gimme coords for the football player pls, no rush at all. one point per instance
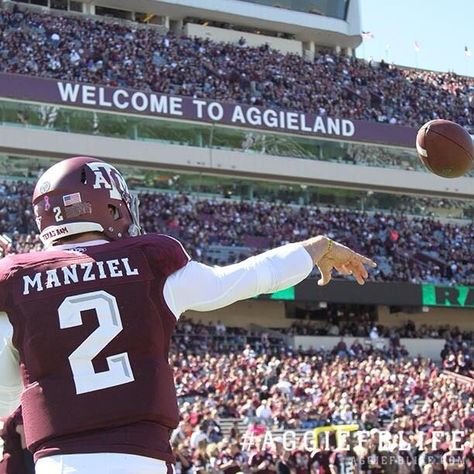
(86, 325)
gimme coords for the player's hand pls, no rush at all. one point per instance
(345, 261)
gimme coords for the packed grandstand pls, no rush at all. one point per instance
(236, 383)
(409, 249)
(87, 50)
(272, 386)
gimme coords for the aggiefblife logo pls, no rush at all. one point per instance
(346, 440)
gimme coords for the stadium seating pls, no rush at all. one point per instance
(371, 388)
(409, 249)
(77, 49)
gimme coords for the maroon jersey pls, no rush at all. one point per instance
(320, 461)
(226, 457)
(93, 332)
(300, 459)
(345, 462)
(260, 457)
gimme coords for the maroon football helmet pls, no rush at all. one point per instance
(83, 194)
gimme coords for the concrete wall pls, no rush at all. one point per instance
(463, 318)
(232, 36)
(425, 347)
(244, 313)
(272, 314)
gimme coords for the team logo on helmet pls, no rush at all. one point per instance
(83, 194)
(115, 182)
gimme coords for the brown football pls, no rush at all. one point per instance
(445, 148)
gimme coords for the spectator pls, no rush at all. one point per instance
(184, 460)
(264, 413)
(374, 333)
(198, 436)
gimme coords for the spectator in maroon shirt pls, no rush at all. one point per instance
(319, 462)
(16, 458)
(262, 462)
(231, 460)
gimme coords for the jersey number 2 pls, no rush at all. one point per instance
(110, 325)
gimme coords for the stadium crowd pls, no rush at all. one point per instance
(82, 49)
(271, 387)
(406, 249)
(457, 355)
(363, 326)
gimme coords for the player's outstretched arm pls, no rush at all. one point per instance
(199, 287)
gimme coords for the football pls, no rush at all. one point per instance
(445, 148)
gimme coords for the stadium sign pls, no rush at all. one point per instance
(449, 296)
(379, 293)
(122, 100)
(283, 295)
(372, 293)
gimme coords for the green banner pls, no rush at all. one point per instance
(450, 296)
(288, 295)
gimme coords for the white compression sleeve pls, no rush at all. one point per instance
(202, 288)
(10, 380)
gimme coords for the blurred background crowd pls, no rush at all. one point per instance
(225, 374)
(410, 249)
